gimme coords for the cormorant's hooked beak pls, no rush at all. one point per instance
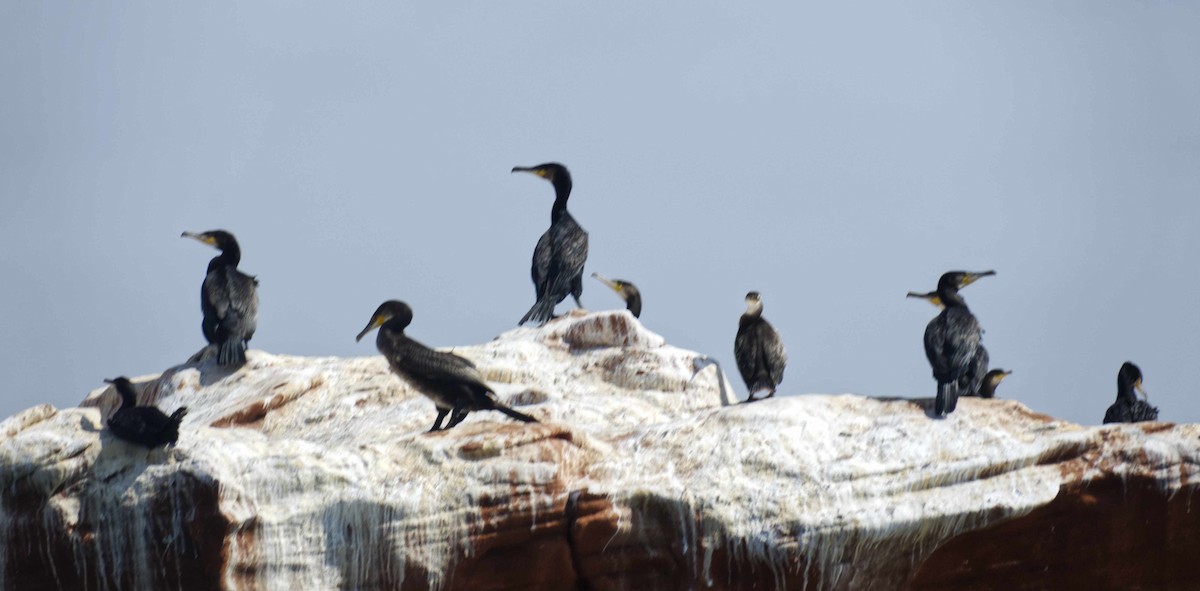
(538, 171)
(969, 278)
(1138, 386)
(376, 322)
(930, 297)
(209, 240)
(613, 285)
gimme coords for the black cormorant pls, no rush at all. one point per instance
(144, 425)
(560, 253)
(628, 292)
(451, 382)
(952, 343)
(987, 388)
(228, 298)
(1127, 408)
(759, 350)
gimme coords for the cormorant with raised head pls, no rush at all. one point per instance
(451, 382)
(758, 350)
(1128, 408)
(560, 253)
(628, 292)
(952, 343)
(144, 425)
(228, 298)
(987, 388)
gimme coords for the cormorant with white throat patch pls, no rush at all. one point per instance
(952, 343)
(228, 298)
(144, 425)
(1128, 408)
(759, 350)
(560, 253)
(450, 381)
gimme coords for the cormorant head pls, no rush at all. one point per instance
(219, 239)
(952, 281)
(552, 171)
(995, 376)
(754, 304)
(394, 313)
(931, 297)
(125, 389)
(1130, 378)
(628, 292)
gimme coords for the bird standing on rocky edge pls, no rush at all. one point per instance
(1127, 408)
(991, 381)
(144, 425)
(628, 292)
(758, 350)
(228, 298)
(451, 382)
(560, 253)
(952, 343)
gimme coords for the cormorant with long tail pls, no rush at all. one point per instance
(628, 292)
(1128, 408)
(758, 350)
(451, 382)
(228, 298)
(560, 253)
(144, 425)
(952, 343)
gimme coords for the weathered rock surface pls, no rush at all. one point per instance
(318, 473)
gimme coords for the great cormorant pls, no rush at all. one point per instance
(758, 350)
(451, 382)
(628, 292)
(1127, 408)
(228, 298)
(560, 253)
(144, 425)
(987, 388)
(952, 343)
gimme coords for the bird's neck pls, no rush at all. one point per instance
(230, 257)
(951, 299)
(1125, 391)
(634, 304)
(562, 191)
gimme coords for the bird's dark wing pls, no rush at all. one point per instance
(951, 339)
(232, 298)
(426, 364)
(746, 351)
(774, 358)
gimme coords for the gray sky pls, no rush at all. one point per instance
(832, 157)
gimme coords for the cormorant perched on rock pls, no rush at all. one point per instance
(228, 298)
(1127, 408)
(560, 253)
(952, 343)
(451, 382)
(628, 292)
(758, 350)
(144, 425)
(987, 388)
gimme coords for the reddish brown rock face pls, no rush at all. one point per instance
(1106, 534)
(318, 473)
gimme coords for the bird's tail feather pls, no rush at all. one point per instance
(541, 312)
(232, 352)
(520, 416)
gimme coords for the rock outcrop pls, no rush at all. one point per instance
(318, 473)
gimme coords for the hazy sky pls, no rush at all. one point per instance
(832, 157)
